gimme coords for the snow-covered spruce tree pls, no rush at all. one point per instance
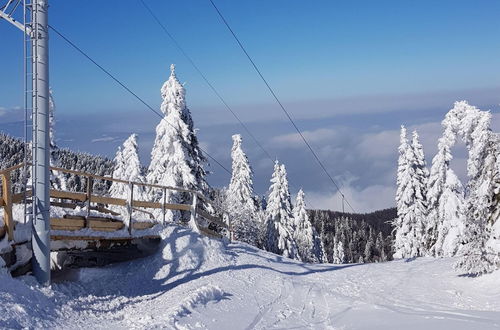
(370, 246)
(127, 167)
(309, 244)
(240, 199)
(176, 158)
(379, 246)
(52, 120)
(411, 199)
(445, 196)
(402, 185)
(57, 179)
(280, 223)
(480, 252)
(338, 252)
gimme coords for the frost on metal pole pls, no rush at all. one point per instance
(41, 146)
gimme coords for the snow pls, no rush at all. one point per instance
(196, 282)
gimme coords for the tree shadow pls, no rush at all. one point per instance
(178, 261)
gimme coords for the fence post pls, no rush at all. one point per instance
(7, 199)
(192, 221)
(229, 227)
(164, 204)
(89, 197)
(130, 207)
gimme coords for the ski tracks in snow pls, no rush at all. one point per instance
(298, 305)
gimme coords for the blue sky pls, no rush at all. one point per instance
(347, 71)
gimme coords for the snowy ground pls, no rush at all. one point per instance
(195, 282)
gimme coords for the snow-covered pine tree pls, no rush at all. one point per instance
(176, 158)
(420, 179)
(127, 167)
(445, 196)
(339, 253)
(279, 226)
(403, 195)
(57, 179)
(308, 242)
(52, 120)
(480, 253)
(411, 199)
(370, 247)
(379, 247)
(240, 199)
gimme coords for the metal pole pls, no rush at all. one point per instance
(41, 199)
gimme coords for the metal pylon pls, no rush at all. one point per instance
(36, 52)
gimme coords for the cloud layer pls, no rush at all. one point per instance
(359, 149)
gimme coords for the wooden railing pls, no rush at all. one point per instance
(8, 199)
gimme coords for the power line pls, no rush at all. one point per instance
(128, 90)
(205, 78)
(279, 102)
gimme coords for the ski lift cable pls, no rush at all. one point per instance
(128, 90)
(203, 76)
(279, 102)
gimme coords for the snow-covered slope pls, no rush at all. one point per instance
(195, 282)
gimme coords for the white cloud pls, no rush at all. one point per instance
(379, 145)
(105, 139)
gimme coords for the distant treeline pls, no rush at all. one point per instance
(364, 237)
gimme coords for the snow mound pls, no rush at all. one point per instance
(201, 296)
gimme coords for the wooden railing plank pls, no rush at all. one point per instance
(82, 197)
(66, 224)
(209, 232)
(108, 200)
(7, 208)
(142, 225)
(211, 218)
(18, 198)
(150, 205)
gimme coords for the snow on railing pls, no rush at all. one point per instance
(87, 198)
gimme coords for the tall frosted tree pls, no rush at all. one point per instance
(370, 246)
(480, 252)
(280, 223)
(52, 120)
(445, 195)
(240, 199)
(57, 179)
(338, 251)
(411, 199)
(127, 167)
(403, 194)
(310, 247)
(176, 158)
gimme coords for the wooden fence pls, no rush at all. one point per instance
(88, 198)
